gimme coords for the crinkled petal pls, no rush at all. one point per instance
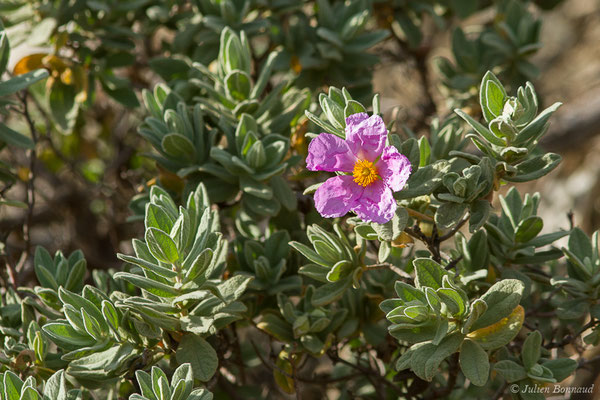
(337, 196)
(366, 136)
(394, 168)
(328, 152)
(377, 204)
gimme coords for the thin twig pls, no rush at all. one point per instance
(30, 193)
(572, 337)
(500, 392)
(315, 379)
(452, 375)
(453, 231)
(418, 215)
(430, 242)
(419, 56)
(452, 263)
(366, 371)
(393, 268)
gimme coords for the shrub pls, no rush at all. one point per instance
(294, 239)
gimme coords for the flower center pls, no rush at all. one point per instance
(364, 172)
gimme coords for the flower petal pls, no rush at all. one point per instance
(377, 204)
(337, 196)
(365, 136)
(328, 152)
(394, 168)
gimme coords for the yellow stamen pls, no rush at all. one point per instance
(364, 172)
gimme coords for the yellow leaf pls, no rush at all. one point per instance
(295, 64)
(24, 174)
(500, 333)
(29, 63)
(283, 380)
(404, 240)
(67, 76)
(170, 181)
(54, 63)
(80, 80)
(61, 40)
(426, 228)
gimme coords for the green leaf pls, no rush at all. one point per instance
(500, 333)
(157, 269)
(330, 292)
(561, 368)
(161, 246)
(20, 82)
(256, 155)
(340, 270)
(453, 300)
(501, 299)
(276, 327)
(199, 265)
(233, 288)
(536, 128)
(424, 151)
(535, 168)
(169, 68)
(480, 129)
(528, 229)
(56, 387)
(124, 95)
(427, 357)
(353, 107)
(491, 96)
(428, 273)
(92, 326)
(284, 193)
(63, 335)
(256, 188)
(179, 147)
(531, 350)
(145, 382)
(474, 362)
(580, 245)
(76, 277)
(12, 385)
(510, 370)
(4, 50)
(480, 210)
(63, 107)
(309, 253)
(238, 85)
(29, 393)
(478, 308)
(14, 138)
(154, 287)
(110, 315)
(200, 354)
(449, 214)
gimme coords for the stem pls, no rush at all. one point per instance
(452, 375)
(238, 354)
(418, 215)
(453, 231)
(393, 268)
(368, 372)
(571, 338)
(419, 56)
(432, 242)
(30, 193)
(500, 392)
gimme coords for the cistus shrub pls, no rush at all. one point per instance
(285, 236)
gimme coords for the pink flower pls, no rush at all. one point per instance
(372, 170)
